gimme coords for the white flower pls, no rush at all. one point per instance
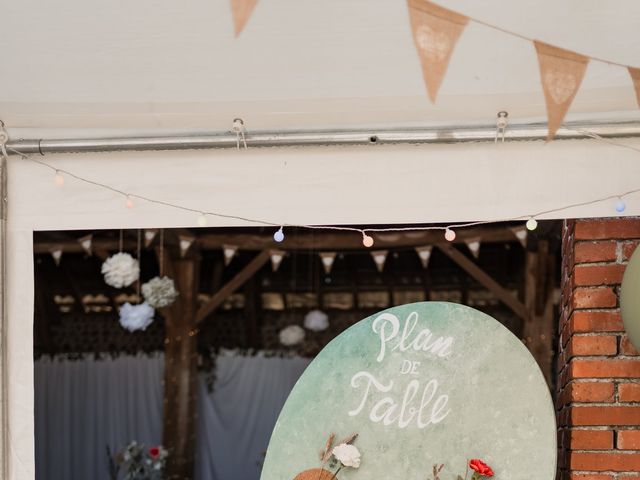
(347, 455)
(291, 335)
(159, 292)
(136, 317)
(316, 321)
(120, 270)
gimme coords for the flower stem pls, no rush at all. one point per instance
(335, 475)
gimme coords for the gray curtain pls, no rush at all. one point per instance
(83, 405)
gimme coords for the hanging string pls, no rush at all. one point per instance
(121, 241)
(161, 252)
(139, 264)
(529, 39)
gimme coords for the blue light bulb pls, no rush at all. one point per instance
(620, 205)
(279, 235)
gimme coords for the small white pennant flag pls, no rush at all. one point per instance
(380, 257)
(327, 259)
(56, 253)
(149, 235)
(521, 234)
(276, 259)
(185, 244)
(474, 246)
(425, 254)
(229, 252)
(85, 243)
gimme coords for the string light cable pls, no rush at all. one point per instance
(367, 239)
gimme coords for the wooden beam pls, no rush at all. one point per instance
(504, 295)
(214, 240)
(236, 282)
(180, 371)
(539, 325)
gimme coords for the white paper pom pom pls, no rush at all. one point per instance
(159, 292)
(316, 321)
(291, 335)
(120, 270)
(136, 317)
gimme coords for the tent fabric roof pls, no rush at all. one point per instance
(297, 64)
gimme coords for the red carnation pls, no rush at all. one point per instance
(154, 452)
(481, 467)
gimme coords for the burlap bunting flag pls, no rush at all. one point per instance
(435, 33)
(241, 11)
(561, 73)
(635, 77)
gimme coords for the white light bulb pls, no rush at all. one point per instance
(279, 235)
(449, 235)
(129, 202)
(59, 178)
(367, 241)
(532, 224)
(202, 220)
(620, 206)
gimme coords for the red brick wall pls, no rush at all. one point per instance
(598, 369)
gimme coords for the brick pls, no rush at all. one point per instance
(609, 415)
(594, 298)
(605, 368)
(591, 252)
(627, 348)
(590, 392)
(628, 440)
(598, 274)
(591, 440)
(581, 345)
(599, 462)
(596, 322)
(619, 228)
(590, 476)
(627, 249)
(629, 392)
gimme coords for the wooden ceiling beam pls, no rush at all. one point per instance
(232, 285)
(504, 295)
(300, 241)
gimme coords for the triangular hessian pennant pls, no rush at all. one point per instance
(327, 259)
(435, 33)
(425, 254)
(521, 234)
(635, 77)
(241, 11)
(85, 242)
(149, 235)
(474, 246)
(229, 252)
(185, 244)
(380, 258)
(276, 259)
(561, 73)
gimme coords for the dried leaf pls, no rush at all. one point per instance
(326, 453)
(350, 439)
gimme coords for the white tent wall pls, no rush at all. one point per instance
(366, 185)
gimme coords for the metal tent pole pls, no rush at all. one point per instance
(315, 138)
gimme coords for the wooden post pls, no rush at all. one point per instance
(180, 371)
(539, 322)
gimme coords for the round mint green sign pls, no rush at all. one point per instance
(422, 385)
